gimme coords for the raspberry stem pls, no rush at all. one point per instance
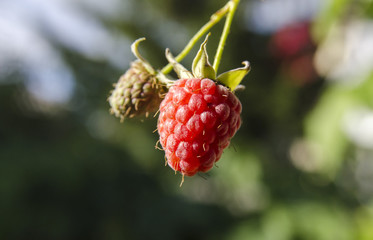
(214, 19)
(232, 4)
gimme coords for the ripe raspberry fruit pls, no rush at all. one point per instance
(197, 120)
(199, 116)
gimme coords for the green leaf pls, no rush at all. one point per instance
(232, 78)
(180, 70)
(201, 67)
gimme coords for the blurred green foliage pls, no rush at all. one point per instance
(291, 172)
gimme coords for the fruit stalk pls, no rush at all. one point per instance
(214, 19)
(232, 4)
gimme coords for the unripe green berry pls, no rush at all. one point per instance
(138, 92)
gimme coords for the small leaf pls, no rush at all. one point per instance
(232, 78)
(135, 51)
(180, 70)
(201, 67)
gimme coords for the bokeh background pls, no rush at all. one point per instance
(301, 166)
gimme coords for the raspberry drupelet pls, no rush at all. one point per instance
(197, 120)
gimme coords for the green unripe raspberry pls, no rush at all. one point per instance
(138, 92)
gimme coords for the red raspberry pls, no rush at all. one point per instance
(198, 118)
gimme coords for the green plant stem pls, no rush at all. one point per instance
(228, 22)
(214, 19)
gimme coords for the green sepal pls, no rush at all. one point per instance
(201, 67)
(232, 78)
(164, 79)
(135, 51)
(180, 70)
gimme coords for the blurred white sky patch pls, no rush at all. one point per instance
(347, 52)
(358, 125)
(28, 29)
(267, 16)
(80, 31)
(47, 76)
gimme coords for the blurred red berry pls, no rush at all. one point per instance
(291, 40)
(294, 50)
